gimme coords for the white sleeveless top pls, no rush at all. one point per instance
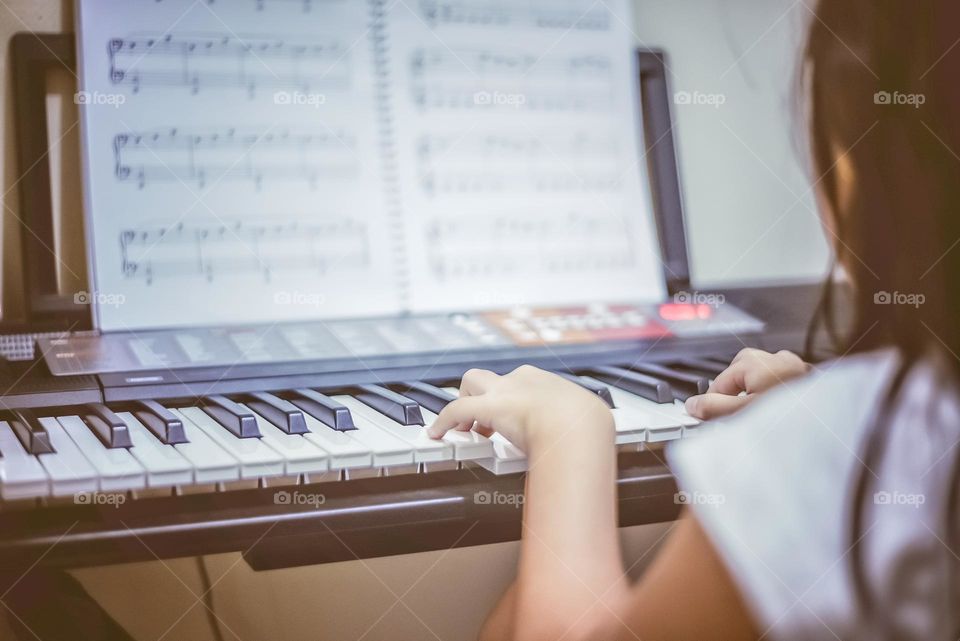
(773, 489)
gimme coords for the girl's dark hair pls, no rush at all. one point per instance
(882, 96)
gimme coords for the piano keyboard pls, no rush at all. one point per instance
(303, 435)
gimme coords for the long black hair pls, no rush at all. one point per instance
(882, 98)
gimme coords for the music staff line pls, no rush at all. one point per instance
(235, 154)
(424, 62)
(261, 5)
(525, 243)
(486, 146)
(240, 247)
(437, 13)
(500, 163)
(216, 60)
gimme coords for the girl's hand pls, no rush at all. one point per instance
(752, 371)
(526, 406)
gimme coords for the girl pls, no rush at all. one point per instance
(828, 507)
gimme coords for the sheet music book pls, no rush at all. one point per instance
(262, 161)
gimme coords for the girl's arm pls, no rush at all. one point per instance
(571, 584)
(685, 594)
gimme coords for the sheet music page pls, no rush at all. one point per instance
(520, 165)
(260, 161)
(232, 167)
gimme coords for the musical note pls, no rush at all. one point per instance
(499, 146)
(198, 61)
(507, 63)
(508, 164)
(505, 82)
(537, 246)
(232, 154)
(481, 13)
(241, 246)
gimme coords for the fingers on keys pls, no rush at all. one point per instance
(461, 415)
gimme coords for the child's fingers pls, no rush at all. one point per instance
(477, 381)
(730, 381)
(460, 414)
(713, 405)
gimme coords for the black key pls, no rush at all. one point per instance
(281, 413)
(684, 384)
(392, 405)
(32, 434)
(230, 415)
(634, 382)
(109, 428)
(719, 361)
(429, 396)
(701, 365)
(590, 386)
(323, 408)
(161, 421)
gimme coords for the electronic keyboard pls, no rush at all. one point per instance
(316, 466)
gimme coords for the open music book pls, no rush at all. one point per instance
(259, 161)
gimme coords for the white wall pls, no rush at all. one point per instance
(750, 214)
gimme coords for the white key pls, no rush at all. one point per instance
(346, 452)
(116, 467)
(164, 466)
(255, 458)
(300, 456)
(631, 424)
(661, 424)
(387, 450)
(425, 449)
(467, 446)
(669, 412)
(691, 425)
(21, 475)
(211, 463)
(68, 470)
(507, 457)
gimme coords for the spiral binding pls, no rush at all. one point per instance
(379, 38)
